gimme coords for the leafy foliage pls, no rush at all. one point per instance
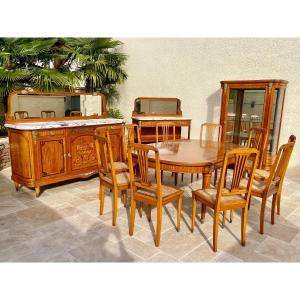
(48, 64)
(115, 113)
(3, 130)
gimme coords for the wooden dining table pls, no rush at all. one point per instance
(191, 156)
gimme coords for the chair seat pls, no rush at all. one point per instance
(122, 178)
(261, 174)
(120, 166)
(167, 191)
(258, 187)
(209, 195)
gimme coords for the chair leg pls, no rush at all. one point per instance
(179, 212)
(132, 216)
(192, 177)
(249, 204)
(278, 203)
(101, 198)
(158, 225)
(223, 218)
(141, 209)
(274, 202)
(262, 214)
(231, 215)
(203, 212)
(149, 212)
(194, 208)
(197, 175)
(216, 177)
(175, 178)
(215, 230)
(115, 206)
(162, 175)
(124, 198)
(243, 226)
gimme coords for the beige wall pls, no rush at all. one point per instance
(191, 70)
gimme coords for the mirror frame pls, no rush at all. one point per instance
(178, 110)
(9, 117)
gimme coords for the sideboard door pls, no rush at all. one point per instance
(52, 157)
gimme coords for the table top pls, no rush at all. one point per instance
(160, 118)
(192, 152)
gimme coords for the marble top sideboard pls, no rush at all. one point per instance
(160, 118)
(63, 124)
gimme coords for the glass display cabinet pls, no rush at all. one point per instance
(252, 103)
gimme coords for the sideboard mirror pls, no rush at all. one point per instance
(157, 106)
(36, 105)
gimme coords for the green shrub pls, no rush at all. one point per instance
(3, 130)
(115, 113)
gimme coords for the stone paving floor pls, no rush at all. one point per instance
(63, 225)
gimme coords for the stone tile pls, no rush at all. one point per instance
(64, 257)
(162, 258)
(279, 250)
(9, 205)
(139, 248)
(102, 250)
(226, 258)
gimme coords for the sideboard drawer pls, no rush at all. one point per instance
(51, 132)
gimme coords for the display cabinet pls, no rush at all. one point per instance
(252, 103)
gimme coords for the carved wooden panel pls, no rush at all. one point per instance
(20, 154)
(82, 150)
(52, 157)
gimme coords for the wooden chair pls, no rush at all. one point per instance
(21, 114)
(154, 194)
(221, 198)
(273, 185)
(164, 135)
(108, 176)
(262, 174)
(48, 114)
(75, 113)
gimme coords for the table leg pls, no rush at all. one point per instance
(206, 180)
(189, 132)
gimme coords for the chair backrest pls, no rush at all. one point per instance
(141, 153)
(237, 159)
(245, 125)
(130, 133)
(279, 167)
(104, 154)
(257, 139)
(47, 113)
(21, 114)
(75, 113)
(165, 131)
(212, 132)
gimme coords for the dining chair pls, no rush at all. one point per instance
(164, 132)
(256, 139)
(21, 114)
(210, 132)
(109, 178)
(232, 197)
(144, 191)
(262, 174)
(76, 113)
(273, 185)
(48, 114)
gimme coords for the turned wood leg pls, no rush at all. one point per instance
(197, 175)
(243, 226)
(101, 198)
(141, 209)
(176, 177)
(231, 215)
(223, 218)
(262, 214)
(158, 225)
(115, 206)
(215, 230)
(17, 186)
(203, 212)
(132, 215)
(37, 191)
(274, 202)
(215, 177)
(124, 198)
(192, 177)
(249, 204)
(278, 202)
(162, 175)
(179, 212)
(182, 177)
(149, 208)
(194, 208)
(206, 180)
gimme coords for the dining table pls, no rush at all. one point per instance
(190, 156)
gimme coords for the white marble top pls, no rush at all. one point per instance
(63, 124)
(160, 118)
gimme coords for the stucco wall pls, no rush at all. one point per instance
(191, 69)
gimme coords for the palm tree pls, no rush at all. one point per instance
(48, 64)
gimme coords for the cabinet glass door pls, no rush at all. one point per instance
(245, 110)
